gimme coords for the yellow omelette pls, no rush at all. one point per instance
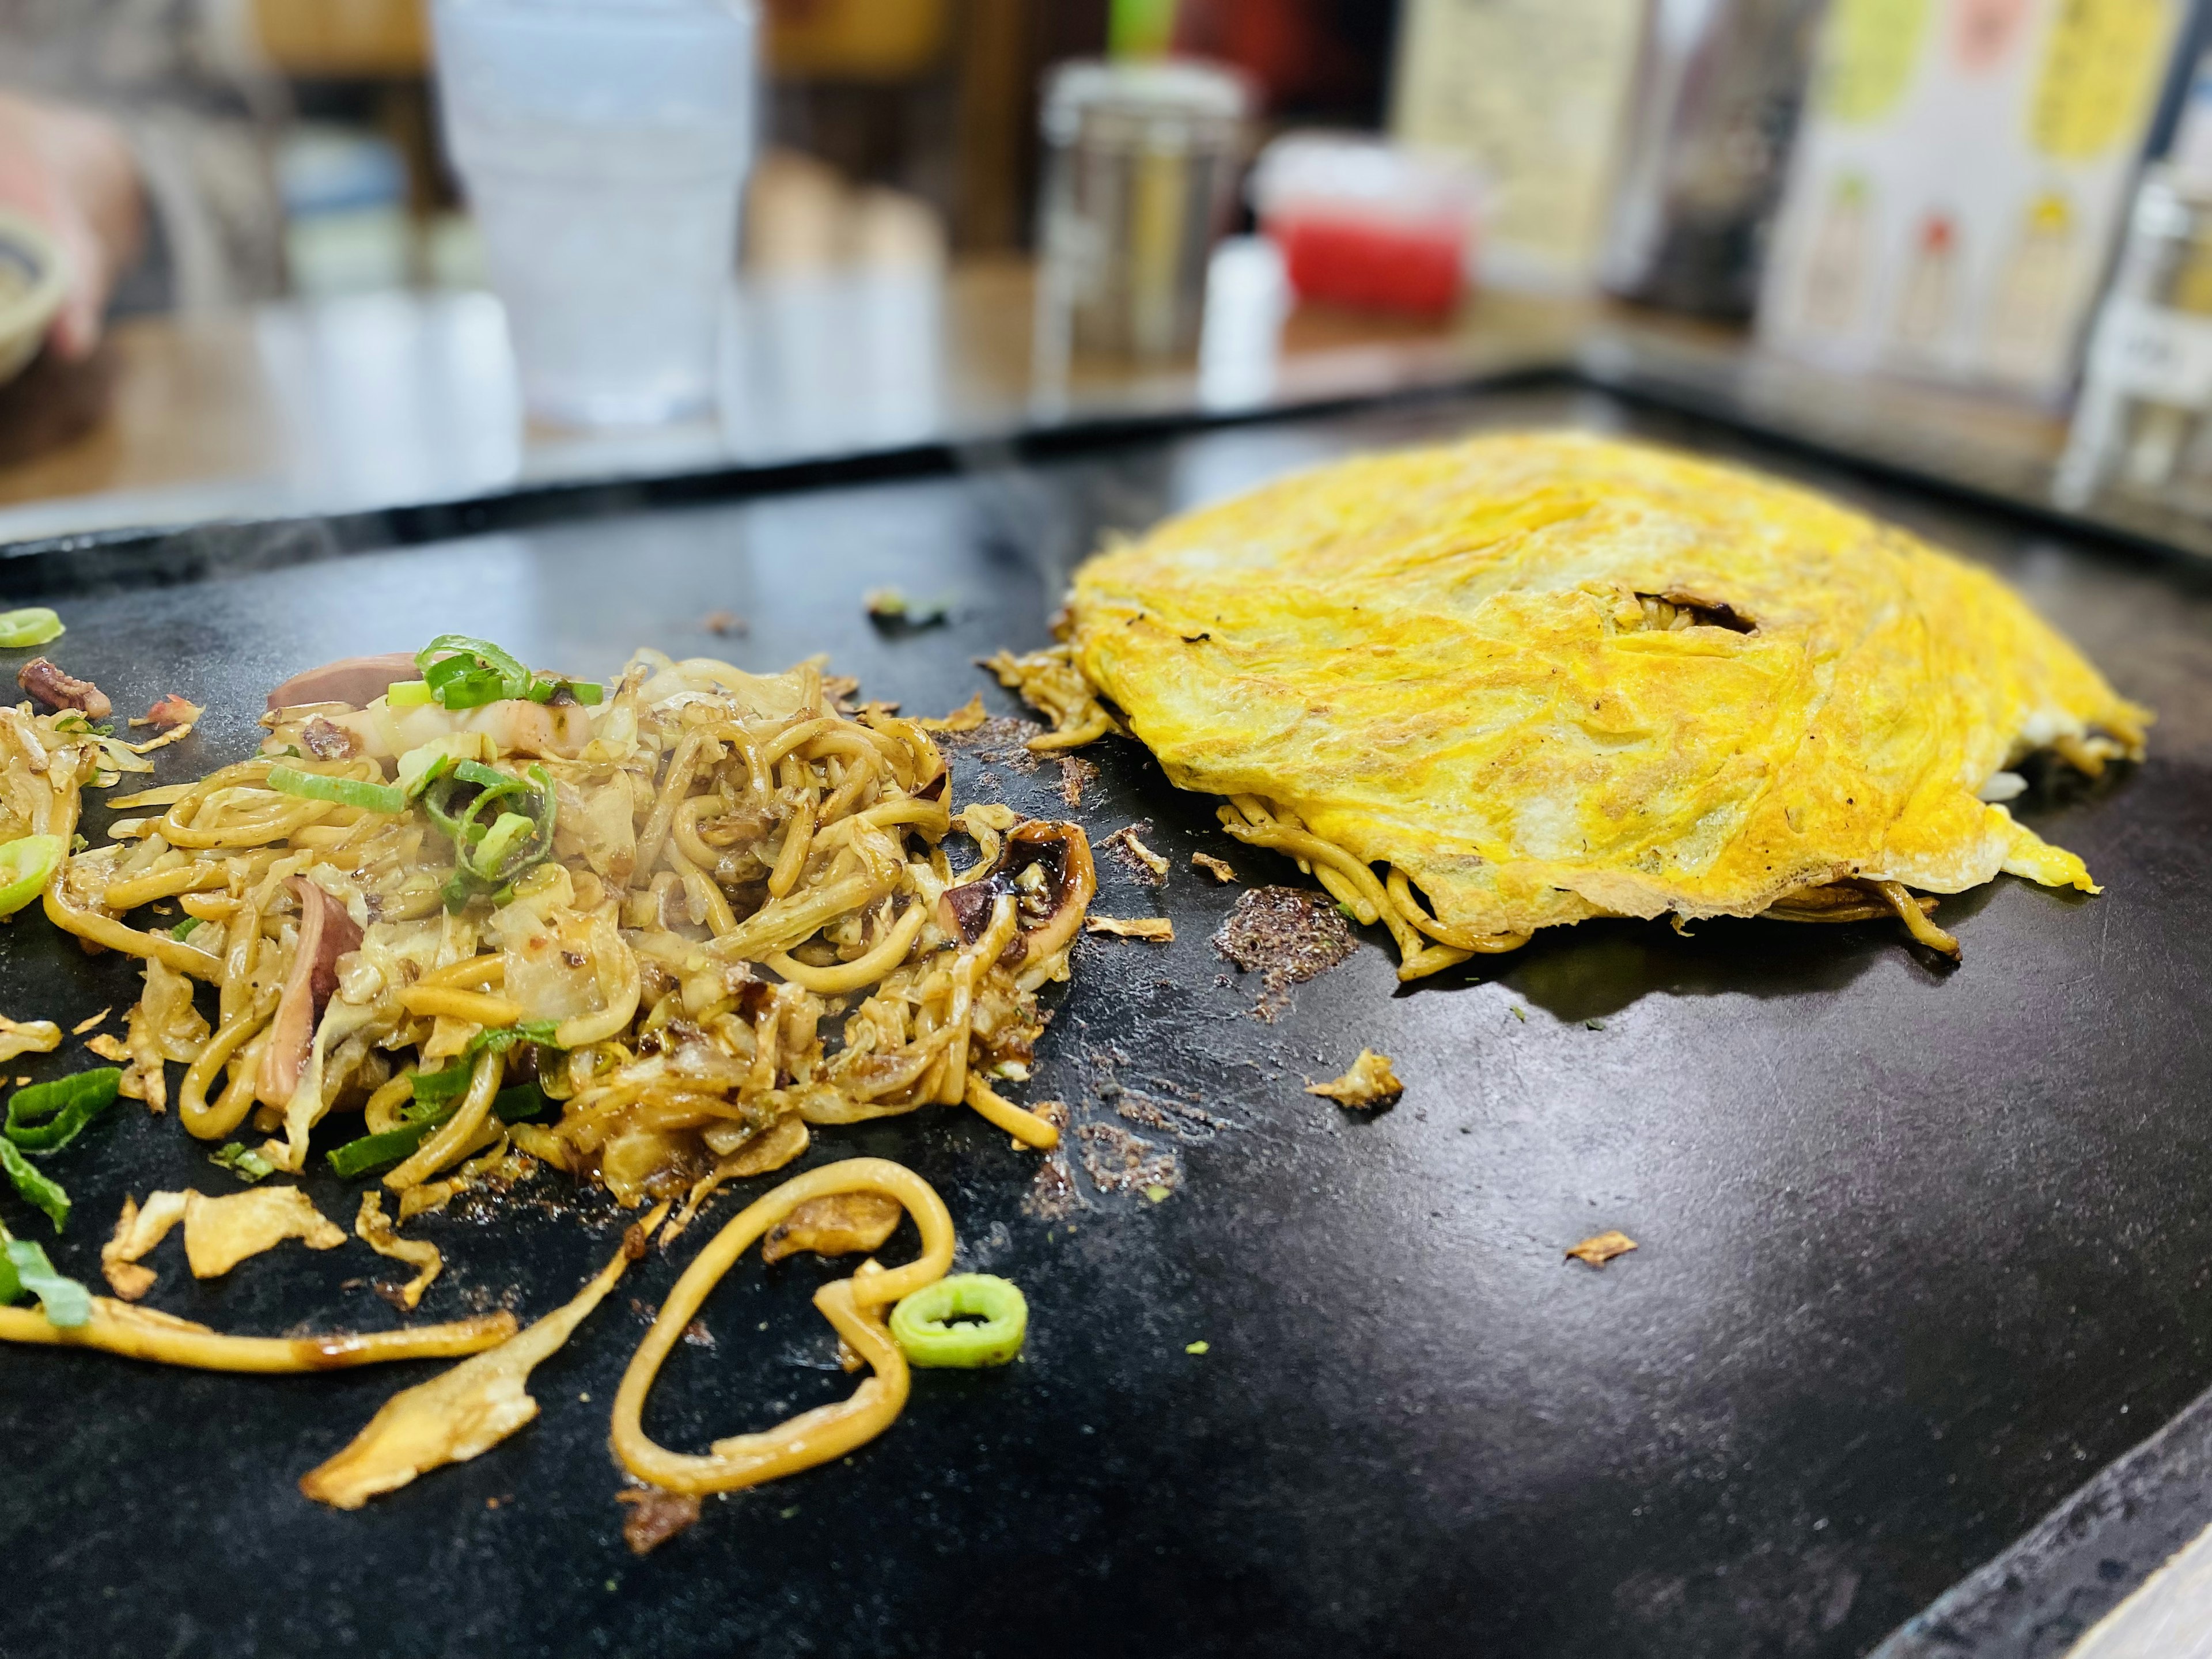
(1551, 676)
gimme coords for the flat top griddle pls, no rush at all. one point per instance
(1922, 1249)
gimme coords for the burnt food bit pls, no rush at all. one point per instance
(50, 686)
(1289, 934)
(325, 741)
(655, 1516)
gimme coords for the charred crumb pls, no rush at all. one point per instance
(655, 1516)
(1000, 740)
(393, 1291)
(1220, 869)
(483, 1299)
(646, 1310)
(725, 625)
(1075, 775)
(633, 1242)
(697, 1335)
(1289, 934)
(1119, 1161)
(590, 1207)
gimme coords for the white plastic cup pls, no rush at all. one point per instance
(602, 145)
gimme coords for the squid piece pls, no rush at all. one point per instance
(1047, 869)
(327, 933)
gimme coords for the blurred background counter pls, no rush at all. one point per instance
(404, 397)
(1896, 229)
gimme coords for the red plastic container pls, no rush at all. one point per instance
(1365, 224)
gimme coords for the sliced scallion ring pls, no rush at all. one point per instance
(25, 866)
(922, 1323)
(407, 694)
(33, 625)
(506, 829)
(345, 791)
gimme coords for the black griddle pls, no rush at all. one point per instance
(1922, 1249)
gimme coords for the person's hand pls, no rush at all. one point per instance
(71, 170)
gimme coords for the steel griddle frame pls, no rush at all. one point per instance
(1387, 1492)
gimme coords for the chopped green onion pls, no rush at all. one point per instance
(422, 767)
(467, 674)
(24, 1267)
(473, 690)
(407, 694)
(923, 1323)
(345, 792)
(486, 777)
(358, 1158)
(520, 1103)
(33, 625)
(35, 1189)
(461, 648)
(508, 829)
(438, 1087)
(26, 865)
(242, 1161)
(183, 930)
(66, 1104)
(490, 853)
(460, 671)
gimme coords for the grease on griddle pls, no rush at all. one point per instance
(1053, 1194)
(1119, 1161)
(1002, 740)
(1172, 1117)
(1075, 773)
(1289, 934)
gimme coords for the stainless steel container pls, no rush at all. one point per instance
(1717, 104)
(1140, 177)
(2143, 421)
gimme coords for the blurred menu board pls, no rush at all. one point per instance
(1535, 92)
(1960, 179)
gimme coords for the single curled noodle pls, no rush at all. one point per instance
(854, 1306)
